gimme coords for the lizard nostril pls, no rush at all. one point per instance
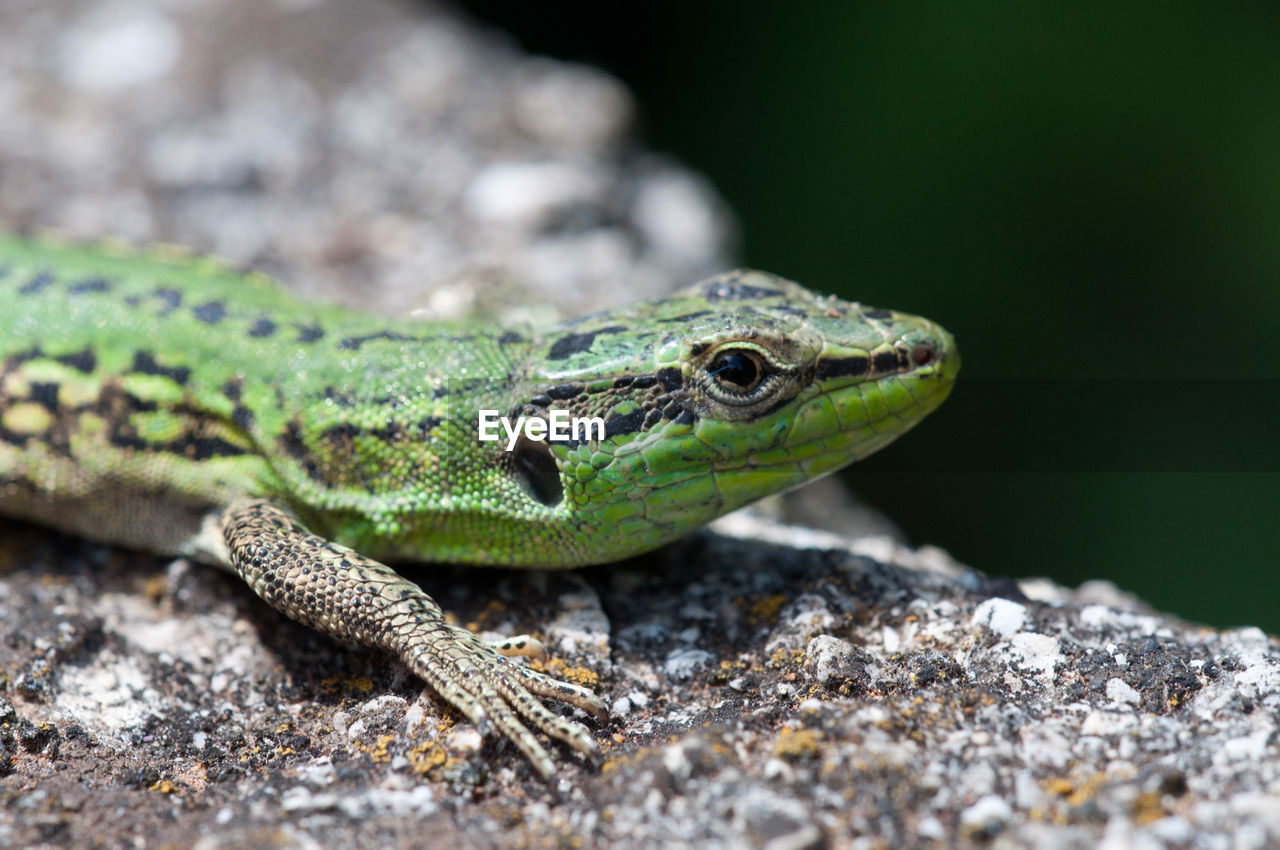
(923, 353)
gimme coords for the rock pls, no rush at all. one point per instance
(371, 151)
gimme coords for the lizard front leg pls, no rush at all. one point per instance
(344, 594)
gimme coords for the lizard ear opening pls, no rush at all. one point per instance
(537, 469)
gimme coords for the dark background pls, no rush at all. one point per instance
(1088, 199)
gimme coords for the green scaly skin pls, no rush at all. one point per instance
(166, 403)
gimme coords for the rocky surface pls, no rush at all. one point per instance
(770, 685)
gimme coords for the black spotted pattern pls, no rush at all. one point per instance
(144, 362)
(571, 344)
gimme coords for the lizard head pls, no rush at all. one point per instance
(741, 386)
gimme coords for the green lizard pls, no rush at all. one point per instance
(166, 403)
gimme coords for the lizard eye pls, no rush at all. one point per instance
(737, 370)
(740, 375)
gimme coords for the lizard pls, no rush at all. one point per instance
(163, 401)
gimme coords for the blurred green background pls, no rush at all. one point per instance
(1089, 199)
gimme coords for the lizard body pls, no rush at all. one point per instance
(166, 403)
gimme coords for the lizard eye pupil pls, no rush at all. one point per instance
(738, 370)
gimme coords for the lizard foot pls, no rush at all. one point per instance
(342, 593)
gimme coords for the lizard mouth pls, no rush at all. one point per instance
(693, 473)
(861, 401)
(836, 427)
